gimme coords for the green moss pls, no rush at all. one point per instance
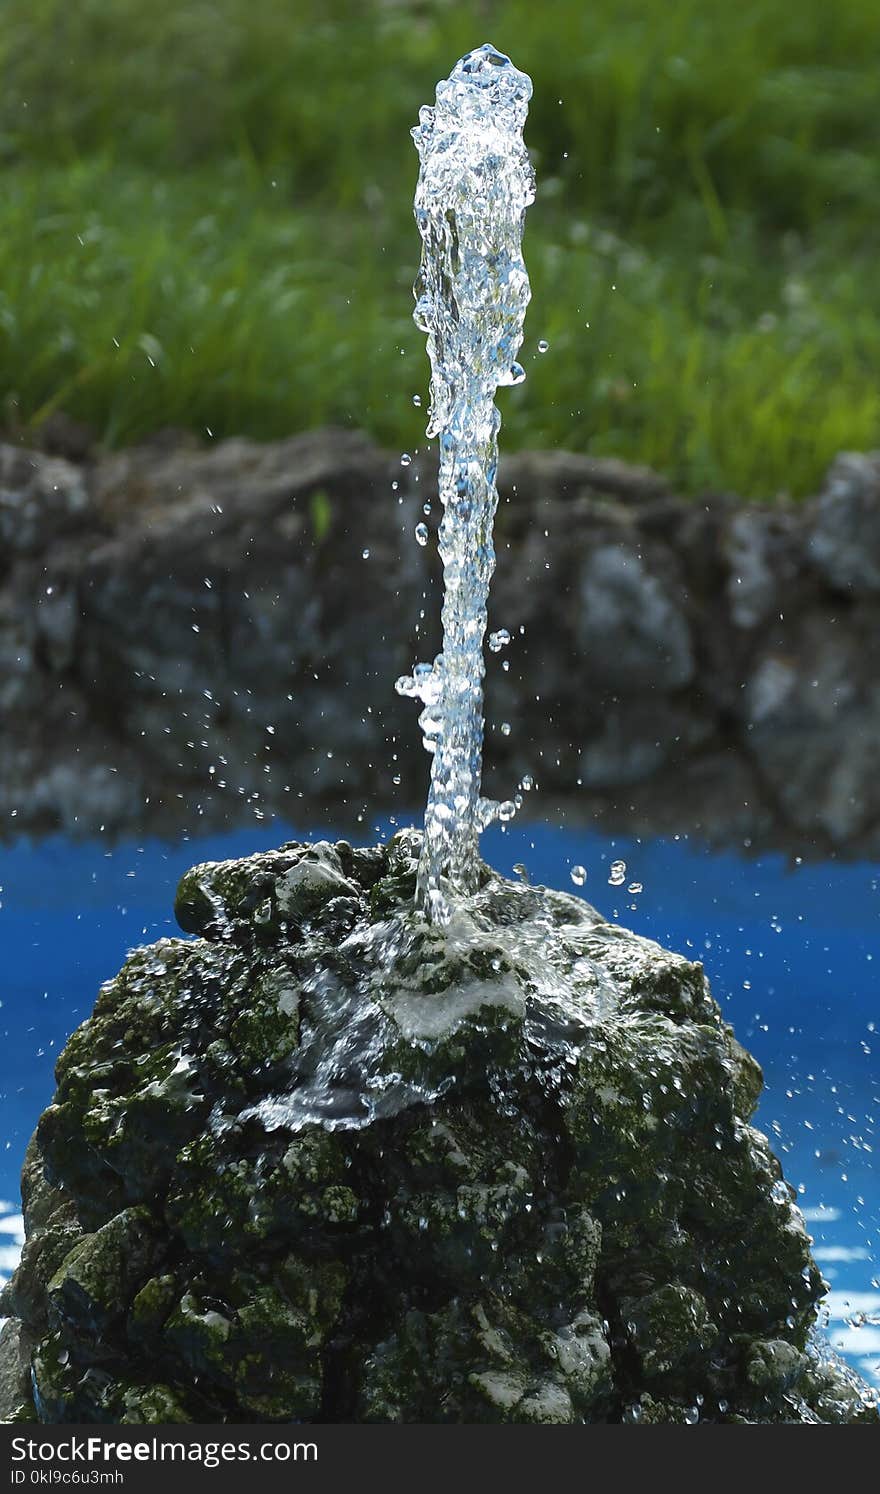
(219, 1199)
(77, 1166)
(152, 1306)
(210, 1201)
(268, 1030)
(42, 1255)
(199, 1334)
(96, 1281)
(669, 1329)
(315, 1157)
(481, 1363)
(748, 1078)
(55, 1380)
(276, 894)
(269, 1393)
(151, 1405)
(648, 1412)
(195, 909)
(523, 1190)
(774, 1366)
(391, 893)
(216, 896)
(314, 1287)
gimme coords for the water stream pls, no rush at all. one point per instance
(475, 183)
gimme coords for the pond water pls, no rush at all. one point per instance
(793, 953)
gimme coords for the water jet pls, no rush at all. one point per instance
(390, 1138)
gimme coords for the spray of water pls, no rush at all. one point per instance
(475, 183)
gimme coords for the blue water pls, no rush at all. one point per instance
(793, 953)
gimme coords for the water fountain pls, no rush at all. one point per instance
(475, 184)
(395, 1139)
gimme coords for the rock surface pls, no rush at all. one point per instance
(325, 1163)
(200, 627)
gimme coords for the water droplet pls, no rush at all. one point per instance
(543, 346)
(405, 459)
(505, 728)
(421, 533)
(579, 875)
(417, 400)
(365, 554)
(617, 873)
(498, 640)
(527, 782)
(635, 887)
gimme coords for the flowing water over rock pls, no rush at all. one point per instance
(393, 1138)
(326, 1162)
(475, 184)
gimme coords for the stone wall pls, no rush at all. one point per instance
(189, 636)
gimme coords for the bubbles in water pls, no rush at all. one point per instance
(421, 533)
(498, 640)
(617, 873)
(579, 875)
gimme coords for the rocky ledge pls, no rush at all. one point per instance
(326, 1163)
(221, 628)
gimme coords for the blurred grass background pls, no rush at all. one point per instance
(206, 222)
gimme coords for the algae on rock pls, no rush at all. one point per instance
(325, 1162)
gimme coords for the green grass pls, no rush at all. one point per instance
(206, 222)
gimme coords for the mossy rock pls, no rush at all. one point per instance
(325, 1163)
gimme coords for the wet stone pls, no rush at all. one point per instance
(339, 1165)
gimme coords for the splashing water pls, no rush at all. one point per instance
(475, 183)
